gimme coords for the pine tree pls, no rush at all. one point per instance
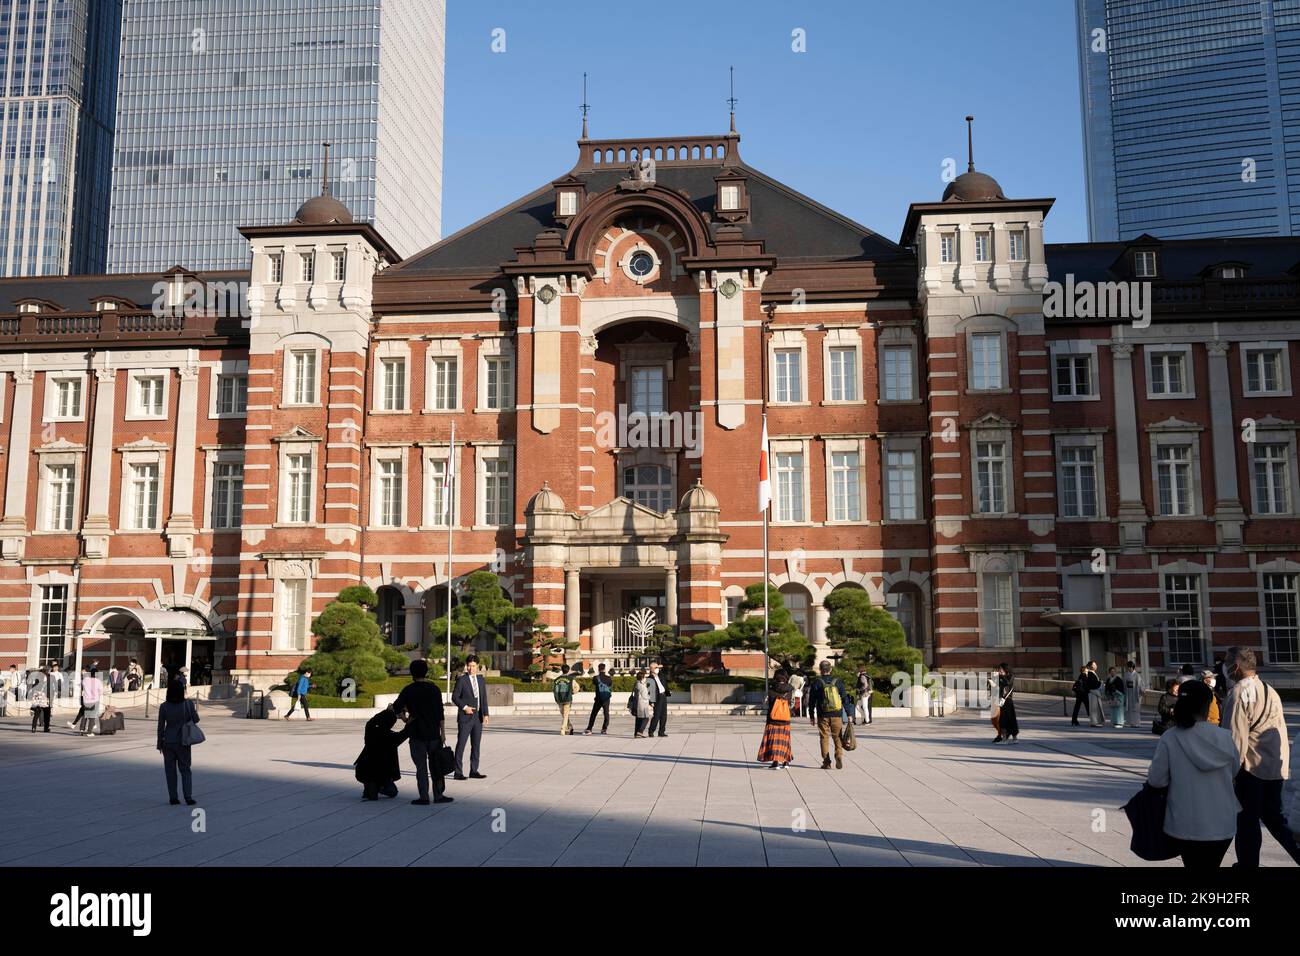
(787, 645)
(868, 637)
(349, 645)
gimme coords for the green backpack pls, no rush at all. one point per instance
(831, 703)
(563, 690)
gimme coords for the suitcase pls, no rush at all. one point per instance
(111, 725)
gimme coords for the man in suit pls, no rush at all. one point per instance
(470, 698)
(659, 695)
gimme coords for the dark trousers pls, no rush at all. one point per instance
(640, 724)
(1080, 702)
(1261, 802)
(659, 718)
(469, 729)
(41, 715)
(1202, 854)
(177, 757)
(372, 790)
(296, 701)
(424, 756)
(602, 703)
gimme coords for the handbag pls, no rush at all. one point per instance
(847, 740)
(190, 732)
(446, 761)
(1146, 814)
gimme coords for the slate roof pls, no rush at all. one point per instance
(78, 293)
(1268, 257)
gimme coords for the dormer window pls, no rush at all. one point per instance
(29, 307)
(729, 198)
(106, 305)
(1232, 272)
(731, 203)
(568, 203)
(1145, 265)
(569, 191)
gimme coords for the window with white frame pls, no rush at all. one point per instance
(392, 384)
(645, 389)
(1282, 618)
(298, 487)
(149, 391)
(390, 493)
(730, 196)
(996, 611)
(294, 615)
(308, 264)
(1017, 240)
(498, 506)
(845, 502)
(843, 373)
(303, 384)
(227, 494)
(789, 470)
(445, 381)
(650, 485)
(1145, 265)
(142, 491)
(948, 247)
(901, 484)
(276, 263)
(499, 385)
(1077, 478)
(1266, 370)
(1183, 633)
(65, 402)
(787, 375)
(437, 498)
(53, 622)
(1169, 372)
(340, 262)
(568, 202)
(897, 364)
(991, 476)
(1175, 487)
(983, 246)
(986, 361)
(1074, 377)
(60, 496)
(1271, 465)
(232, 394)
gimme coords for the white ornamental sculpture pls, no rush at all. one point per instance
(641, 623)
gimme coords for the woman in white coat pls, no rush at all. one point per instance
(1197, 762)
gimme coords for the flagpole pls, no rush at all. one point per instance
(451, 522)
(767, 630)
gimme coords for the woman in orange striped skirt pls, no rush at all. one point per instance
(775, 747)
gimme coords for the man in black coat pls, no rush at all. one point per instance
(471, 700)
(659, 694)
(422, 700)
(1084, 685)
(376, 767)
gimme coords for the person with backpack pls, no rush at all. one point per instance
(562, 691)
(825, 709)
(297, 693)
(1252, 713)
(603, 685)
(775, 747)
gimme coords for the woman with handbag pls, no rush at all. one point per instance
(775, 747)
(92, 703)
(1197, 762)
(1008, 725)
(641, 704)
(177, 733)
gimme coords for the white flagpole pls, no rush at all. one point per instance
(451, 521)
(766, 496)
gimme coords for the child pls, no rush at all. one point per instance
(377, 765)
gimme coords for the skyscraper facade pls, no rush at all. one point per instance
(1186, 121)
(58, 82)
(224, 106)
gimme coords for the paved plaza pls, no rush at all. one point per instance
(915, 793)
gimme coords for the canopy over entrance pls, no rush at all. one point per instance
(178, 624)
(1135, 621)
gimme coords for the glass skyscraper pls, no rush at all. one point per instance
(58, 81)
(1190, 117)
(223, 107)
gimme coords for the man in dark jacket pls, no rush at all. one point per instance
(422, 700)
(826, 710)
(377, 770)
(1084, 685)
(603, 685)
(470, 698)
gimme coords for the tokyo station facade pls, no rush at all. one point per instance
(1012, 482)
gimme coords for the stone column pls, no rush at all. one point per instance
(414, 625)
(670, 594)
(1132, 513)
(96, 530)
(1229, 516)
(821, 617)
(180, 526)
(572, 605)
(13, 530)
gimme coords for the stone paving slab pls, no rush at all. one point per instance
(914, 793)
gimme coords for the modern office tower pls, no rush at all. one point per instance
(1186, 121)
(58, 82)
(224, 105)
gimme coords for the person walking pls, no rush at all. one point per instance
(562, 691)
(775, 746)
(1209, 680)
(1080, 690)
(995, 706)
(422, 700)
(58, 683)
(659, 694)
(92, 703)
(1196, 761)
(1252, 713)
(603, 685)
(377, 767)
(864, 697)
(1096, 710)
(1008, 725)
(40, 701)
(641, 704)
(297, 694)
(5, 678)
(1114, 693)
(471, 701)
(1134, 685)
(75, 722)
(174, 713)
(825, 706)
(797, 691)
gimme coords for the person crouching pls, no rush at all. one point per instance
(377, 769)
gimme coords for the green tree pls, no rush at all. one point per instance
(482, 609)
(670, 649)
(348, 645)
(543, 642)
(787, 645)
(867, 637)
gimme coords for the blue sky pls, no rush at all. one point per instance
(861, 121)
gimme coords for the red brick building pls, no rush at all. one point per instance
(1007, 475)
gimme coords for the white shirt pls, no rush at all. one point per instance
(659, 684)
(473, 683)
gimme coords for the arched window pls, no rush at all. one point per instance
(903, 602)
(649, 485)
(392, 615)
(795, 597)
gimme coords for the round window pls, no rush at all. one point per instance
(641, 264)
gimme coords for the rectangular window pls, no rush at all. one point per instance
(298, 488)
(445, 394)
(900, 485)
(60, 494)
(303, 389)
(789, 486)
(983, 247)
(497, 506)
(277, 269)
(1168, 373)
(1144, 265)
(439, 500)
(53, 622)
(1078, 480)
(390, 493)
(1263, 370)
(948, 247)
(1174, 480)
(1073, 376)
(293, 615)
(898, 373)
(789, 376)
(645, 392)
(1183, 633)
(998, 629)
(844, 374)
(340, 261)
(393, 398)
(846, 498)
(144, 497)
(991, 475)
(1017, 244)
(67, 398)
(1282, 618)
(308, 260)
(149, 396)
(232, 394)
(568, 203)
(1272, 478)
(227, 494)
(500, 383)
(986, 361)
(730, 197)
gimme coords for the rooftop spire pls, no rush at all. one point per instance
(325, 172)
(586, 107)
(731, 100)
(970, 144)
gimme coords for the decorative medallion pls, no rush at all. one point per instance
(547, 294)
(729, 288)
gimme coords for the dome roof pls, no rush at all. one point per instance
(972, 186)
(698, 498)
(545, 501)
(323, 210)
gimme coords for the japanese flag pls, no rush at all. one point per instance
(764, 482)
